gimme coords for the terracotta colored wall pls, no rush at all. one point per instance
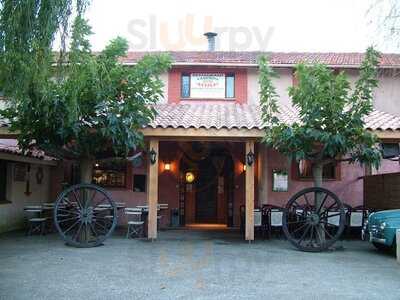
(349, 189)
(387, 166)
(174, 84)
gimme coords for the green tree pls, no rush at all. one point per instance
(331, 115)
(88, 106)
(384, 16)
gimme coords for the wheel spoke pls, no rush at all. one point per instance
(330, 236)
(93, 230)
(77, 200)
(296, 222)
(78, 231)
(304, 233)
(322, 203)
(298, 229)
(72, 226)
(308, 203)
(68, 211)
(99, 203)
(327, 216)
(68, 219)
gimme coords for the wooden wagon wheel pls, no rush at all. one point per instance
(85, 215)
(313, 219)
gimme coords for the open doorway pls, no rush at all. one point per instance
(207, 194)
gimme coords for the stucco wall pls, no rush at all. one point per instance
(387, 95)
(12, 214)
(281, 84)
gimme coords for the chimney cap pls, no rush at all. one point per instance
(210, 34)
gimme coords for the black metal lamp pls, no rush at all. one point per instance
(153, 156)
(250, 158)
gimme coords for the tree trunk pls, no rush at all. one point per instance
(86, 166)
(317, 175)
(86, 169)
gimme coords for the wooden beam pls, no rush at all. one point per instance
(152, 195)
(239, 135)
(387, 135)
(249, 194)
(27, 159)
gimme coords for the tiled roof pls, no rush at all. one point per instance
(10, 146)
(207, 115)
(276, 58)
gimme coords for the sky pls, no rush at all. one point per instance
(269, 25)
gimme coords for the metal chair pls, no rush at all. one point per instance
(356, 217)
(258, 225)
(135, 224)
(272, 218)
(36, 223)
(160, 208)
(258, 220)
(275, 218)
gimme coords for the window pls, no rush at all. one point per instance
(110, 174)
(208, 85)
(3, 181)
(185, 86)
(304, 170)
(390, 150)
(230, 86)
(139, 183)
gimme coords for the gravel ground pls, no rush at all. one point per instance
(184, 264)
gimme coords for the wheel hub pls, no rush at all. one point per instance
(314, 219)
(86, 215)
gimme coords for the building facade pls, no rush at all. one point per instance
(204, 155)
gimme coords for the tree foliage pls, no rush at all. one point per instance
(331, 114)
(384, 16)
(86, 105)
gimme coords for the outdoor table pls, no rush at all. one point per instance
(34, 209)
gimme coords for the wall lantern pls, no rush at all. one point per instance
(167, 166)
(244, 168)
(250, 158)
(189, 177)
(153, 156)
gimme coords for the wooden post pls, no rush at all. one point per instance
(152, 194)
(249, 233)
(398, 245)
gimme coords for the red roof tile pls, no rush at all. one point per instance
(10, 146)
(229, 115)
(276, 58)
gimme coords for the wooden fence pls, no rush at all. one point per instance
(382, 191)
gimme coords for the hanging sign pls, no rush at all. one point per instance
(207, 85)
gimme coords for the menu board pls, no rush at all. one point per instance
(280, 181)
(207, 85)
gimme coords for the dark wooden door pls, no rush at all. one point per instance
(206, 193)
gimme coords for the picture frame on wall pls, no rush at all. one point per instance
(280, 181)
(20, 171)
